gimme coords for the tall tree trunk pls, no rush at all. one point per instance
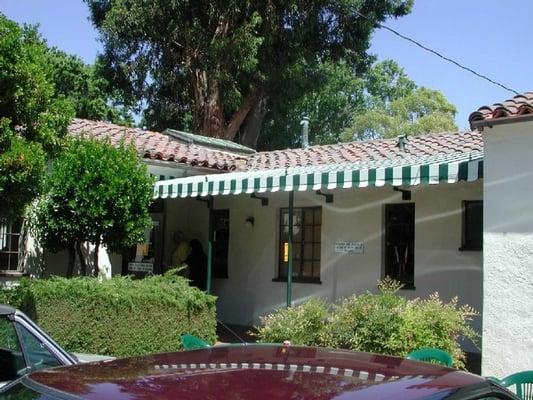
(83, 263)
(239, 117)
(251, 126)
(71, 261)
(213, 124)
(96, 269)
(199, 87)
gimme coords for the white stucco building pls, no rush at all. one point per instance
(410, 209)
(508, 235)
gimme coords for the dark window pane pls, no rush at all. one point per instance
(297, 234)
(399, 242)
(308, 216)
(297, 251)
(316, 269)
(307, 269)
(283, 270)
(308, 251)
(13, 261)
(316, 234)
(473, 225)
(308, 234)
(316, 251)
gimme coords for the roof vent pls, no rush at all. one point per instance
(305, 132)
(402, 142)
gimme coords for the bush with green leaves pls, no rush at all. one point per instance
(120, 316)
(384, 323)
(96, 193)
(301, 324)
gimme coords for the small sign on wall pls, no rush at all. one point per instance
(140, 267)
(349, 247)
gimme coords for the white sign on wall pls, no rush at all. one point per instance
(140, 267)
(349, 247)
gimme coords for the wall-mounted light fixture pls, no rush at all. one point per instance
(327, 196)
(249, 223)
(406, 194)
(264, 200)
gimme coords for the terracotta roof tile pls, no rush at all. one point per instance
(519, 105)
(158, 146)
(368, 151)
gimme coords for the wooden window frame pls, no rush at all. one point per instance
(300, 247)
(407, 284)
(466, 242)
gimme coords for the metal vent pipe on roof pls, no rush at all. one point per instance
(305, 132)
(401, 142)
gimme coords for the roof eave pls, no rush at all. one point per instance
(480, 124)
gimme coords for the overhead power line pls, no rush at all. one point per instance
(438, 54)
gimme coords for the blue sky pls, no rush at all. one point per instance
(489, 36)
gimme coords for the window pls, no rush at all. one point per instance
(400, 243)
(10, 245)
(38, 356)
(11, 360)
(472, 225)
(307, 222)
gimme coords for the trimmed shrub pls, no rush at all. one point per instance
(301, 324)
(120, 316)
(383, 323)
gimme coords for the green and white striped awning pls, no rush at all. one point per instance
(404, 172)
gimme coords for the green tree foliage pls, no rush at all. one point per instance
(32, 119)
(382, 102)
(383, 323)
(398, 107)
(337, 94)
(218, 65)
(96, 193)
(86, 88)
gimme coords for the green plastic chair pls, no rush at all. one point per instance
(431, 355)
(520, 383)
(191, 342)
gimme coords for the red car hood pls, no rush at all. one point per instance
(257, 372)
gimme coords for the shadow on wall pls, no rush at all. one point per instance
(43, 264)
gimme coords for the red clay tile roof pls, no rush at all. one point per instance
(368, 151)
(521, 104)
(158, 146)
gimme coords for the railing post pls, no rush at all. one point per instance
(209, 245)
(289, 268)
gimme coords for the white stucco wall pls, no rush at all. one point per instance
(508, 249)
(44, 264)
(355, 215)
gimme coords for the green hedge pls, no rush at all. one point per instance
(120, 316)
(384, 323)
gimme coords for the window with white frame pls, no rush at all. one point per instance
(10, 243)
